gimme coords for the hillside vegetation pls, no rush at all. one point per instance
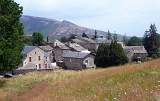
(132, 82)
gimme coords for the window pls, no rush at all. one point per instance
(39, 66)
(45, 65)
(86, 61)
(39, 58)
(35, 53)
(30, 59)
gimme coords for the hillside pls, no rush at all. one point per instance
(136, 82)
(55, 28)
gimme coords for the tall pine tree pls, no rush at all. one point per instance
(11, 35)
(109, 35)
(152, 41)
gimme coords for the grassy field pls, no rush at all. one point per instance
(132, 82)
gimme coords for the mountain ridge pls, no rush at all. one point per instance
(55, 28)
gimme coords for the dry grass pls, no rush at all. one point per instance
(132, 82)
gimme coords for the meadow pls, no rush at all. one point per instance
(131, 82)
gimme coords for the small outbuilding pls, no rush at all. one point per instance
(136, 53)
(78, 60)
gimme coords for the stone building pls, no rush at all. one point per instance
(135, 53)
(37, 58)
(78, 60)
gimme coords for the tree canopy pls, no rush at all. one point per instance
(134, 41)
(117, 54)
(152, 41)
(110, 55)
(125, 39)
(11, 35)
(37, 39)
(102, 55)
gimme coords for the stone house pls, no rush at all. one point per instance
(78, 60)
(49, 55)
(59, 49)
(36, 58)
(135, 53)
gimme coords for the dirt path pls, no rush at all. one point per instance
(37, 91)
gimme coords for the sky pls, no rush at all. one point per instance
(126, 17)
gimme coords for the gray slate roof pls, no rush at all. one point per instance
(135, 49)
(46, 48)
(83, 40)
(61, 45)
(76, 47)
(28, 49)
(77, 55)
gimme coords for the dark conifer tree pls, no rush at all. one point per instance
(117, 54)
(109, 35)
(102, 56)
(95, 35)
(152, 41)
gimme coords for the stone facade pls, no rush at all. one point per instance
(78, 63)
(58, 52)
(135, 53)
(36, 59)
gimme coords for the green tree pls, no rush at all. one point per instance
(109, 35)
(11, 35)
(152, 41)
(85, 35)
(125, 39)
(115, 37)
(95, 35)
(112, 55)
(37, 39)
(117, 54)
(102, 56)
(134, 41)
